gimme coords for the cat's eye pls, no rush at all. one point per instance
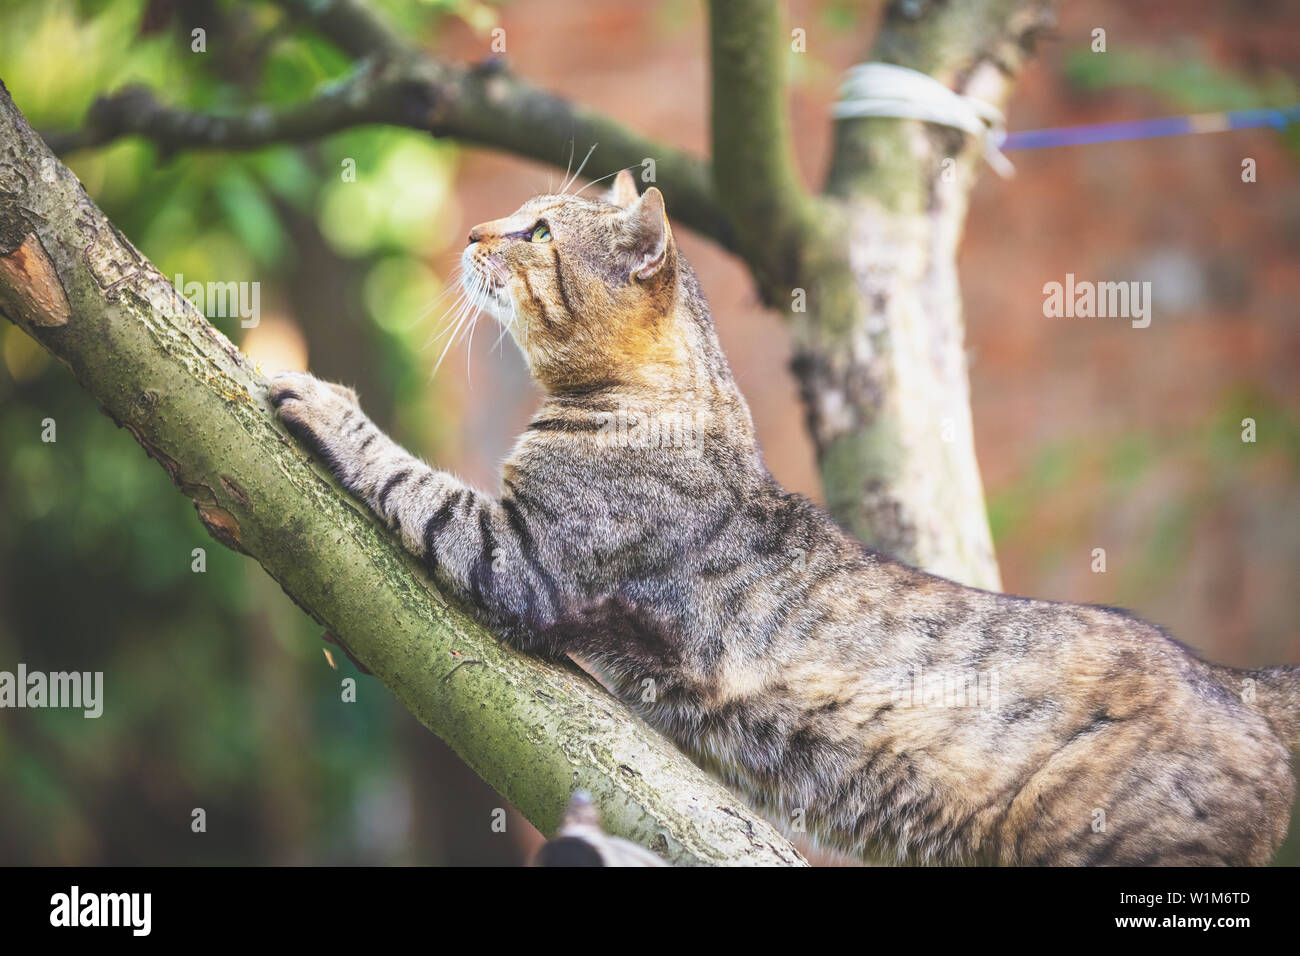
(540, 233)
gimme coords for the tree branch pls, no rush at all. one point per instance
(157, 368)
(364, 98)
(394, 83)
(755, 177)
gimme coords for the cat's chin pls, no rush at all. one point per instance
(496, 303)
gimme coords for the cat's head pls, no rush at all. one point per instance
(587, 287)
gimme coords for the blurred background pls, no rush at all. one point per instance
(1089, 434)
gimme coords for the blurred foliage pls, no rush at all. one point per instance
(217, 695)
(1186, 81)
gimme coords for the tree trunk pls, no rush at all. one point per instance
(867, 271)
(880, 356)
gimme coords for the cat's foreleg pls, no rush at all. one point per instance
(470, 541)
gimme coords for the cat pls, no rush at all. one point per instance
(638, 530)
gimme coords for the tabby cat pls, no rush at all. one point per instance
(891, 711)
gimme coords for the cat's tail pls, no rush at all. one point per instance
(1277, 694)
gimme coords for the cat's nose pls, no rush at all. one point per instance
(476, 235)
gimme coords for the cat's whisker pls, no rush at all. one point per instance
(508, 325)
(441, 355)
(451, 315)
(501, 336)
(572, 144)
(451, 327)
(581, 166)
(600, 180)
(452, 288)
(434, 338)
(467, 302)
(460, 323)
(469, 349)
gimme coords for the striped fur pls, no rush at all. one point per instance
(880, 708)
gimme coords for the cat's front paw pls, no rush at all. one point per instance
(319, 413)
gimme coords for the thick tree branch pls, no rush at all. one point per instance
(533, 731)
(755, 176)
(881, 358)
(365, 97)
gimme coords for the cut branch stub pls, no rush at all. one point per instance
(30, 289)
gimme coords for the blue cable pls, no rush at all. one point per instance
(1149, 129)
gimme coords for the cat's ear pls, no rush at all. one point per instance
(652, 239)
(623, 192)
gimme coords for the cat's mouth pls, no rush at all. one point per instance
(485, 280)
